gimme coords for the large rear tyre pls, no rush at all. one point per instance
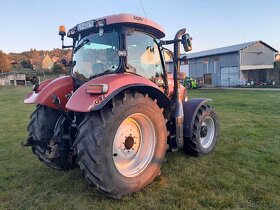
(121, 147)
(205, 132)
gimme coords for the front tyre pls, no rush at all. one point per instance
(121, 147)
(44, 130)
(205, 132)
(41, 130)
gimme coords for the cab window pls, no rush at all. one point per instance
(142, 55)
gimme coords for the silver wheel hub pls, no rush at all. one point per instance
(134, 144)
(207, 132)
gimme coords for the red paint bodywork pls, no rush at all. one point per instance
(81, 101)
(171, 87)
(59, 87)
(132, 19)
(84, 102)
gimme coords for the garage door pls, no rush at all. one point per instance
(229, 76)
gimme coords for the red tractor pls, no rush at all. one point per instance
(119, 111)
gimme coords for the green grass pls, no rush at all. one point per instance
(242, 172)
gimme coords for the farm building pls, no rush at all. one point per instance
(47, 62)
(234, 65)
(12, 79)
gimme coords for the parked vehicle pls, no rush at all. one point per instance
(119, 111)
(190, 83)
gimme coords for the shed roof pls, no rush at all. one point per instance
(226, 50)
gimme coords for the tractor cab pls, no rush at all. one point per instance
(121, 43)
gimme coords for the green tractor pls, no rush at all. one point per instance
(190, 83)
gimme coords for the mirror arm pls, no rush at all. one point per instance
(167, 42)
(69, 46)
(65, 46)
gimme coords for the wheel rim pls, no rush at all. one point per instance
(207, 132)
(134, 145)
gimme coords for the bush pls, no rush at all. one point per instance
(26, 64)
(57, 68)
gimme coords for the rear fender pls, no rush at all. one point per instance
(60, 87)
(191, 108)
(117, 83)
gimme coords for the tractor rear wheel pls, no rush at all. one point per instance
(205, 132)
(121, 147)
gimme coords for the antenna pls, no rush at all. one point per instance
(143, 9)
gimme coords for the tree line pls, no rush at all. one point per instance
(31, 59)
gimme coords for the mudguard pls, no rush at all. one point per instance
(60, 87)
(191, 108)
(85, 102)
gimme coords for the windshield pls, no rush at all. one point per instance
(96, 55)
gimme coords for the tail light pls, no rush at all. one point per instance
(96, 89)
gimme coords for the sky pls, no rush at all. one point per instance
(26, 24)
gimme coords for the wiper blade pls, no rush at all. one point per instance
(81, 45)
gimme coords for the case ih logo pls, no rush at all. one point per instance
(138, 18)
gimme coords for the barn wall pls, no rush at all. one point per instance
(170, 68)
(257, 56)
(13, 79)
(212, 65)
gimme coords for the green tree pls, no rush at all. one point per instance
(26, 64)
(57, 68)
(4, 62)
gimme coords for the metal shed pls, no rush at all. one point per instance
(234, 65)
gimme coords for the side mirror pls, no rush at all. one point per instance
(187, 42)
(62, 32)
(182, 75)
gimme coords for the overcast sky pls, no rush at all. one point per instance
(33, 24)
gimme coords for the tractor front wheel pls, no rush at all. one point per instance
(42, 127)
(41, 130)
(121, 147)
(205, 132)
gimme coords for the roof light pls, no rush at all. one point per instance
(71, 31)
(85, 25)
(100, 23)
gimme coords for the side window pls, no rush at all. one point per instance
(143, 56)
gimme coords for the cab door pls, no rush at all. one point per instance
(143, 56)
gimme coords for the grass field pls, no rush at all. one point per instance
(242, 172)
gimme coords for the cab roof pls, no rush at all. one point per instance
(129, 20)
